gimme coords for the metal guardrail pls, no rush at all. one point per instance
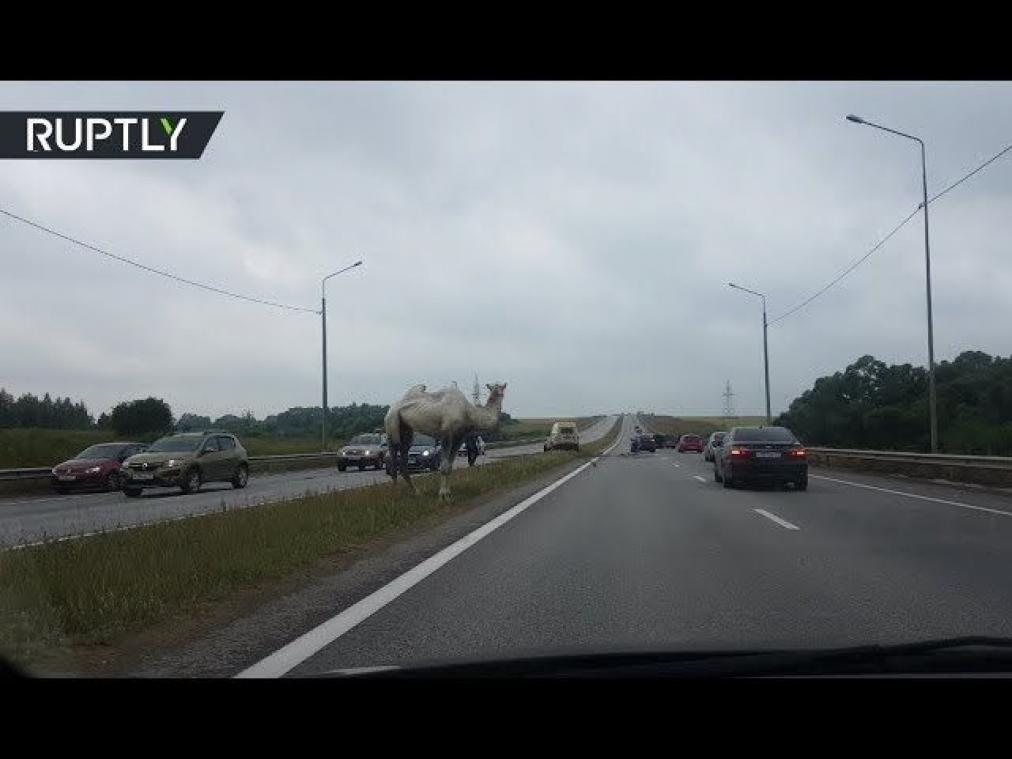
(985, 470)
(944, 459)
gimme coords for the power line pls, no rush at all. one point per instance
(152, 270)
(849, 269)
(898, 227)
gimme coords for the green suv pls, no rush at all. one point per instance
(186, 461)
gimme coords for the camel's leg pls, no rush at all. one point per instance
(393, 452)
(447, 466)
(407, 437)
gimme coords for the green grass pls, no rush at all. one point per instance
(697, 425)
(524, 429)
(95, 590)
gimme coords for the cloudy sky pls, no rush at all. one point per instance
(573, 239)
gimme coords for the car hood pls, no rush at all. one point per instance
(84, 463)
(159, 456)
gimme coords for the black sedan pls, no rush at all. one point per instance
(769, 454)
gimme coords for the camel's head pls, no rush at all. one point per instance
(496, 392)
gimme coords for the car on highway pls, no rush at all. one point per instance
(462, 451)
(366, 450)
(660, 439)
(187, 461)
(425, 453)
(712, 443)
(644, 442)
(770, 454)
(97, 466)
(687, 443)
(563, 435)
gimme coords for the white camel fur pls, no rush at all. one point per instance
(447, 415)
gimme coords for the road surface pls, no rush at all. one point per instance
(29, 519)
(646, 550)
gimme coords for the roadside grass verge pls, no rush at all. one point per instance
(696, 425)
(95, 590)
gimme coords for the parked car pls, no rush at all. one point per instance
(761, 453)
(688, 443)
(424, 454)
(187, 461)
(563, 435)
(366, 450)
(95, 467)
(712, 443)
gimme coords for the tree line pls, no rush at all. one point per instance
(878, 406)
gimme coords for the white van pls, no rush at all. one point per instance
(563, 435)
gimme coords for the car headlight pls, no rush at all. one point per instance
(93, 470)
(425, 453)
(368, 452)
(54, 470)
(171, 462)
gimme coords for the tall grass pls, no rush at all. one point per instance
(95, 589)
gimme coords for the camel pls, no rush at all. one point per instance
(447, 415)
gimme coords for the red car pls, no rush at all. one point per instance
(97, 466)
(690, 443)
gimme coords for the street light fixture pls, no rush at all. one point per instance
(932, 410)
(766, 354)
(323, 322)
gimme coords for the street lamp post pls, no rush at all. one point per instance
(766, 353)
(323, 323)
(932, 409)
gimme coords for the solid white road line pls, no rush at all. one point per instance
(676, 463)
(305, 646)
(778, 520)
(699, 477)
(915, 495)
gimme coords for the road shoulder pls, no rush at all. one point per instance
(229, 637)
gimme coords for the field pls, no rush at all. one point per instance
(96, 589)
(34, 447)
(524, 429)
(697, 425)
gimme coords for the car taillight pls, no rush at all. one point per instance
(739, 452)
(797, 453)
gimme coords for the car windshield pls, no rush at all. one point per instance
(174, 444)
(366, 440)
(282, 283)
(96, 452)
(763, 435)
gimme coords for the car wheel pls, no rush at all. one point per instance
(191, 481)
(546, 448)
(361, 467)
(131, 492)
(341, 466)
(801, 484)
(716, 477)
(112, 482)
(728, 480)
(62, 490)
(241, 477)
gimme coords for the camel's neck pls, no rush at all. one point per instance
(486, 417)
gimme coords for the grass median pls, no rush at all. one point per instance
(94, 590)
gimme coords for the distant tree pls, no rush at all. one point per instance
(139, 417)
(193, 423)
